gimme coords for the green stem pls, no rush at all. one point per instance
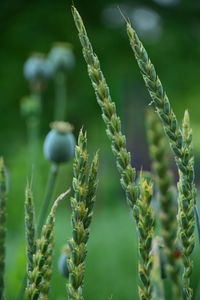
(48, 196)
(33, 128)
(61, 92)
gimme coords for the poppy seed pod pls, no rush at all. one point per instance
(37, 67)
(61, 57)
(59, 144)
(62, 265)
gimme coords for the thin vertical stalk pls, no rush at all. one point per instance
(33, 130)
(60, 96)
(158, 292)
(48, 196)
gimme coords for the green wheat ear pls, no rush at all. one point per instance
(167, 201)
(186, 208)
(39, 278)
(182, 152)
(84, 186)
(3, 198)
(145, 224)
(109, 115)
(30, 227)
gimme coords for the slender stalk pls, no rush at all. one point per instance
(61, 96)
(160, 165)
(3, 198)
(48, 196)
(156, 272)
(33, 130)
(144, 220)
(183, 160)
(84, 186)
(109, 115)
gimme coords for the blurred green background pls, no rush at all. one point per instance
(170, 30)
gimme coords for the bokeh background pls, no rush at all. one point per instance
(170, 30)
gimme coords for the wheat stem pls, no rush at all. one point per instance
(61, 95)
(48, 196)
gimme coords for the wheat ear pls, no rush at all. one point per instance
(145, 225)
(109, 115)
(84, 186)
(39, 277)
(30, 228)
(183, 160)
(186, 208)
(160, 165)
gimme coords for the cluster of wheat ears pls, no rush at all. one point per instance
(177, 211)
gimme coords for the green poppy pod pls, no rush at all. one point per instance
(61, 57)
(37, 67)
(62, 265)
(59, 144)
